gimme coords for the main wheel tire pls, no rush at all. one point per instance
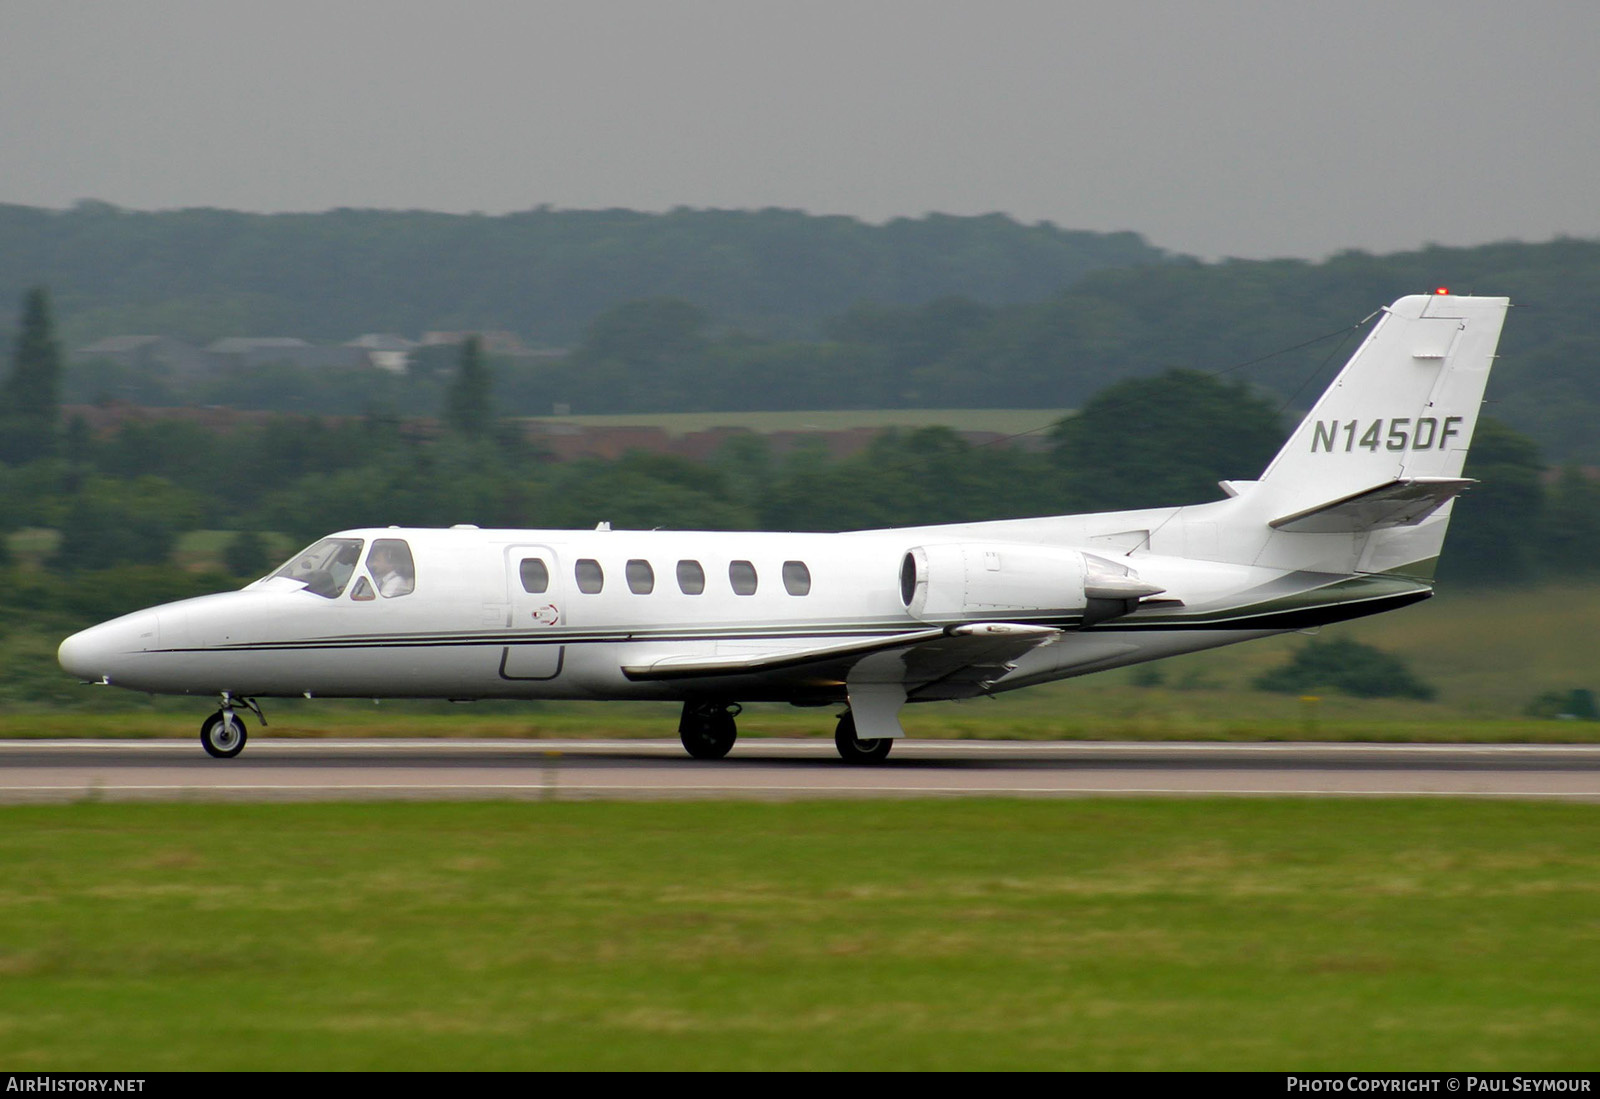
(707, 731)
(223, 735)
(853, 750)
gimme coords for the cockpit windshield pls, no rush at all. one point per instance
(324, 568)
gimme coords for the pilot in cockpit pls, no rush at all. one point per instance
(390, 565)
(343, 564)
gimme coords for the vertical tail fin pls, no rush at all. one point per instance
(1380, 454)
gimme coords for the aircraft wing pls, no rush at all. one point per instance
(1402, 503)
(693, 667)
(919, 661)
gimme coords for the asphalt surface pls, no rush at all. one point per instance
(34, 771)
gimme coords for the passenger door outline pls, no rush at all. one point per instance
(530, 614)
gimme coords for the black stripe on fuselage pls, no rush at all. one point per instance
(555, 637)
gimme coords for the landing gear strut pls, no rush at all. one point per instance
(223, 734)
(707, 729)
(852, 750)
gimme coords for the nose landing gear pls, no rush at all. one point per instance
(223, 734)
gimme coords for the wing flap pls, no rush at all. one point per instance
(1400, 503)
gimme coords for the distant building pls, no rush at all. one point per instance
(247, 345)
(243, 352)
(388, 352)
(373, 351)
(500, 344)
(152, 354)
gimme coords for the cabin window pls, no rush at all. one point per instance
(742, 575)
(796, 578)
(591, 577)
(393, 571)
(326, 567)
(641, 577)
(535, 576)
(691, 578)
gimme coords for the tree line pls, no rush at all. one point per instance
(543, 273)
(1283, 325)
(127, 497)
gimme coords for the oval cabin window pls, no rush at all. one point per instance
(590, 576)
(691, 578)
(535, 576)
(641, 577)
(742, 575)
(796, 578)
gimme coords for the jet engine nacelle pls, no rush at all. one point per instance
(961, 581)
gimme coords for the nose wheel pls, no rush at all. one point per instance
(222, 734)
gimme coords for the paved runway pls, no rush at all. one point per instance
(299, 770)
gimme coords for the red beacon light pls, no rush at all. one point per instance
(1442, 290)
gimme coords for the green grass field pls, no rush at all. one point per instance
(1205, 934)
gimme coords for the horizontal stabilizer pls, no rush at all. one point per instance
(1402, 503)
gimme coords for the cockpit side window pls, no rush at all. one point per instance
(324, 568)
(393, 571)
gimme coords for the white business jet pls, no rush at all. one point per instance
(1348, 520)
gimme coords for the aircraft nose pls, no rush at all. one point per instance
(96, 653)
(81, 653)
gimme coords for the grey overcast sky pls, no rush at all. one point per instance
(1228, 127)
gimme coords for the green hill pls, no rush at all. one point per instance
(543, 274)
(736, 311)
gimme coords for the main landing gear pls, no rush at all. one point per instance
(708, 731)
(222, 734)
(853, 750)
